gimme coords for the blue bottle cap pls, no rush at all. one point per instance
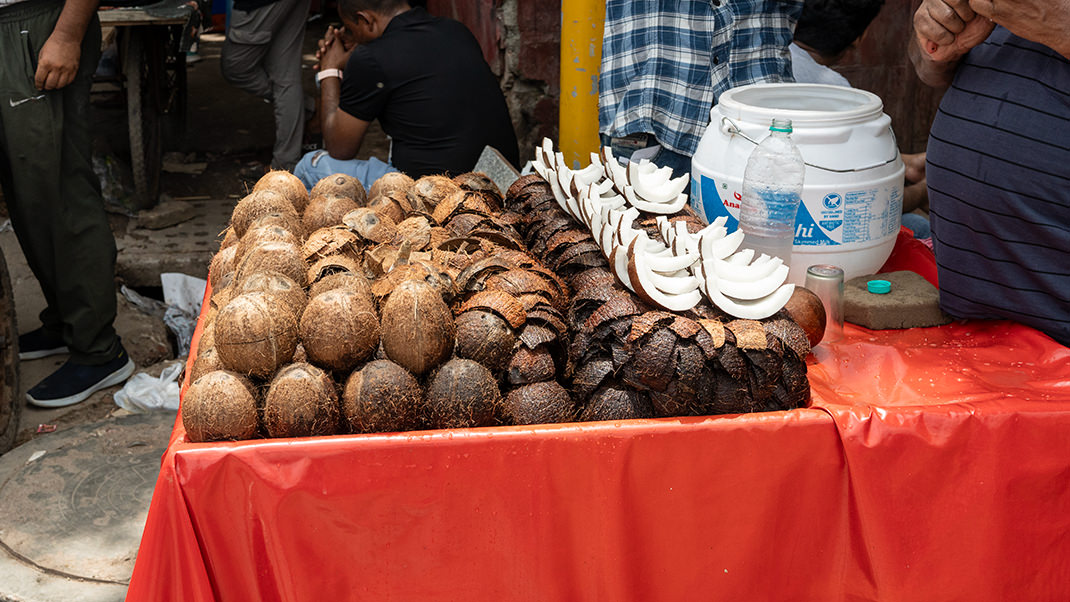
(879, 287)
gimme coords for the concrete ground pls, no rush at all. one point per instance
(76, 488)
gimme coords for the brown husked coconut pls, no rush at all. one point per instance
(222, 263)
(281, 257)
(326, 212)
(806, 308)
(332, 241)
(354, 281)
(427, 192)
(339, 329)
(341, 185)
(286, 184)
(394, 181)
(301, 401)
(265, 233)
(291, 222)
(255, 333)
(332, 264)
(425, 271)
(485, 337)
(382, 397)
(480, 182)
(394, 205)
(222, 295)
(617, 403)
(370, 225)
(299, 354)
(230, 237)
(415, 230)
(207, 338)
(539, 403)
(219, 406)
(418, 328)
(207, 361)
(459, 202)
(531, 365)
(256, 204)
(462, 394)
(277, 284)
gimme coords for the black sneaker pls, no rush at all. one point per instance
(73, 383)
(38, 343)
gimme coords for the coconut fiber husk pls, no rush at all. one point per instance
(255, 334)
(339, 329)
(461, 394)
(301, 401)
(383, 397)
(259, 203)
(418, 327)
(341, 185)
(286, 184)
(219, 406)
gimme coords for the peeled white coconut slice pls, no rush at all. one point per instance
(749, 290)
(549, 158)
(614, 170)
(711, 246)
(658, 208)
(646, 175)
(683, 241)
(559, 195)
(588, 175)
(665, 229)
(540, 169)
(677, 284)
(671, 263)
(756, 309)
(641, 278)
(762, 267)
(618, 260)
(602, 188)
(655, 186)
(741, 258)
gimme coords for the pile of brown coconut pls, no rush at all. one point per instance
(440, 303)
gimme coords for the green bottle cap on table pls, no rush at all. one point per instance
(879, 287)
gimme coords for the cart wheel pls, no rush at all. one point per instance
(141, 66)
(10, 402)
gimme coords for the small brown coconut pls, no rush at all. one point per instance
(286, 184)
(255, 333)
(219, 406)
(341, 185)
(325, 212)
(418, 328)
(427, 192)
(539, 403)
(480, 182)
(461, 394)
(394, 205)
(339, 329)
(207, 361)
(265, 233)
(222, 295)
(281, 257)
(485, 337)
(223, 262)
(291, 222)
(207, 334)
(370, 225)
(531, 365)
(301, 401)
(461, 201)
(806, 308)
(332, 241)
(617, 403)
(277, 284)
(382, 397)
(332, 264)
(354, 281)
(394, 181)
(256, 204)
(415, 230)
(230, 238)
(425, 271)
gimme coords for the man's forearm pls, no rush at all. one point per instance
(73, 20)
(330, 97)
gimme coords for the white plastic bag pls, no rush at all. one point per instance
(144, 393)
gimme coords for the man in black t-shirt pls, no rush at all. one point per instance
(423, 77)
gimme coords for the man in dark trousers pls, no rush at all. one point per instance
(423, 77)
(50, 49)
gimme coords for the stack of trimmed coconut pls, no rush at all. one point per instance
(427, 304)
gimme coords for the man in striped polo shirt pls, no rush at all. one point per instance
(999, 157)
(665, 63)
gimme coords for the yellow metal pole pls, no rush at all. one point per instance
(582, 22)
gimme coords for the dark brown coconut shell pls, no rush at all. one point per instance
(531, 366)
(222, 263)
(462, 394)
(418, 328)
(539, 403)
(505, 305)
(281, 257)
(332, 241)
(370, 225)
(382, 397)
(279, 285)
(286, 184)
(339, 329)
(326, 212)
(332, 264)
(480, 182)
(808, 311)
(219, 406)
(461, 201)
(255, 334)
(259, 203)
(301, 402)
(427, 192)
(393, 181)
(485, 337)
(617, 403)
(341, 185)
(265, 233)
(353, 281)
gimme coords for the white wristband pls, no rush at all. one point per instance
(322, 75)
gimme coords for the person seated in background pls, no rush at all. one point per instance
(666, 62)
(826, 30)
(426, 81)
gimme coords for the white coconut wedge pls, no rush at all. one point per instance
(760, 268)
(657, 208)
(711, 246)
(618, 260)
(741, 258)
(640, 277)
(677, 284)
(670, 263)
(756, 309)
(750, 290)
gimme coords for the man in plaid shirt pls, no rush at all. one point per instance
(665, 63)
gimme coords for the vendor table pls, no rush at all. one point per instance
(153, 75)
(933, 464)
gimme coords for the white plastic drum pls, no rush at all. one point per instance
(853, 189)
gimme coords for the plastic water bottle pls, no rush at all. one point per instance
(772, 191)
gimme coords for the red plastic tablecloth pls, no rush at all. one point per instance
(934, 464)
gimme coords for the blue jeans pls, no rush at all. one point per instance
(917, 224)
(316, 165)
